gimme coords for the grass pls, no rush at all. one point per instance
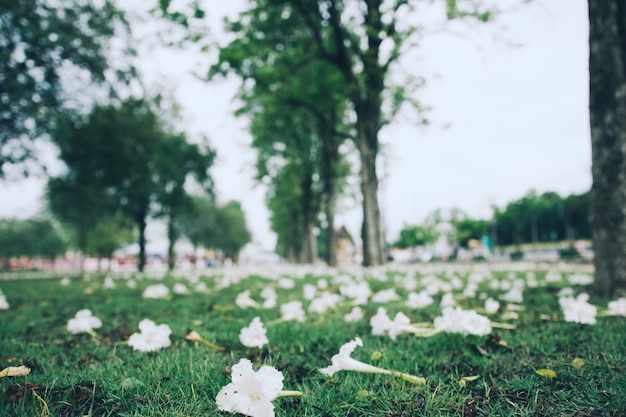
(76, 375)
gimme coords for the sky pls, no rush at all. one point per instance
(509, 113)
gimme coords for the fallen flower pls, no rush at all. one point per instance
(617, 307)
(156, 291)
(194, 336)
(546, 373)
(83, 322)
(578, 310)
(15, 371)
(343, 362)
(251, 393)
(255, 335)
(457, 320)
(150, 337)
(381, 324)
(292, 311)
(244, 300)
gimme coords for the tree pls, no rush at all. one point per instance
(231, 232)
(36, 237)
(607, 109)
(297, 105)
(175, 162)
(412, 236)
(197, 221)
(39, 41)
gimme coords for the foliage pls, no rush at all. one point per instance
(412, 236)
(495, 375)
(543, 218)
(41, 42)
(297, 104)
(122, 157)
(211, 226)
(36, 237)
(231, 233)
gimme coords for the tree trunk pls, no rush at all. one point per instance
(371, 231)
(141, 262)
(607, 109)
(171, 237)
(331, 235)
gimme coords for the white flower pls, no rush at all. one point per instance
(83, 322)
(514, 295)
(180, 288)
(457, 320)
(150, 337)
(578, 310)
(109, 284)
(255, 335)
(4, 304)
(156, 291)
(251, 393)
(491, 305)
(381, 324)
(384, 296)
(269, 297)
(359, 292)
(309, 291)
(343, 362)
(324, 302)
(419, 300)
(355, 314)
(617, 307)
(65, 281)
(447, 300)
(286, 283)
(244, 300)
(292, 311)
(131, 283)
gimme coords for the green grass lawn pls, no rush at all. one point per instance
(79, 374)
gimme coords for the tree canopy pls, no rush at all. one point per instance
(40, 42)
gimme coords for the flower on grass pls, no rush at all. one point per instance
(269, 297)
(150, 337)
(457, 320)
(244, 300)
(180, 288)
(617, 307)
(491, 305)
(83, 322)
(255, 335)
(326, 301)
(355, 314)
(156, 291)
(419, 300)
(292, 311)
(251, 393)
(109, 283)
(4, 304)
(194, 336)
(343, 362)
(578, 310)
(385, 296)
(381, 324)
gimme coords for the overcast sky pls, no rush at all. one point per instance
(504, 120)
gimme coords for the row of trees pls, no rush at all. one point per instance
(124, 164)
(341, 54)
(534, 218)
(314, 75)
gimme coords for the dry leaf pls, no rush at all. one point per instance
(578, 363)
(546, 373)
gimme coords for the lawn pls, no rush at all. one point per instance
(530, 362)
